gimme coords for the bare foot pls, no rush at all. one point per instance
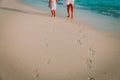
(68, 16)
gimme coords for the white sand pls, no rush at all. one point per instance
(34, 46)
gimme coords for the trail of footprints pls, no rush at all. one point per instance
(48, 59)
(89, 60)
(82, 36)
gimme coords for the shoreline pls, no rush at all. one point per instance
(95, 20)
(38, 47)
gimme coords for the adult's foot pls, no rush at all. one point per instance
(68, 16)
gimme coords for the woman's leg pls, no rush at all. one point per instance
(68, 10)
(72, 11)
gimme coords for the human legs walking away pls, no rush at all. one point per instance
(70, 7)
(53, 12)
(52, 5)
(70, 10)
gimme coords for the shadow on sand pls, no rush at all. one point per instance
(1, 78)
(24, 11)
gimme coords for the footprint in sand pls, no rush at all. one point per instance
(92, 51)
(84, 36)
(46, 44)
(89, 63)
(47, 61)
(104, 73)
(46, 48)
(80, 31)
(35, 73)
(47, 58)
(91, 78)
(79, 41)
(46, 51)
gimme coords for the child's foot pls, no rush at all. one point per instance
(52, 16)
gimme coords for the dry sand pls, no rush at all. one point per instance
(34, 46)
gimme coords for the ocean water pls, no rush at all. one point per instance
(106, 7)
(100, 14)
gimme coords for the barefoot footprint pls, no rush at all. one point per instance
(92, 52)
(89, 63)
(91, 78)
(79, 41)
(80, 31)
(48, 61)
(35, 73)
(46, 45)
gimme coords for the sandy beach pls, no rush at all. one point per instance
(34, 46)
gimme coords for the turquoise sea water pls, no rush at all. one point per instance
(100, 14)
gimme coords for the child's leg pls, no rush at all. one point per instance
(52, 12)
